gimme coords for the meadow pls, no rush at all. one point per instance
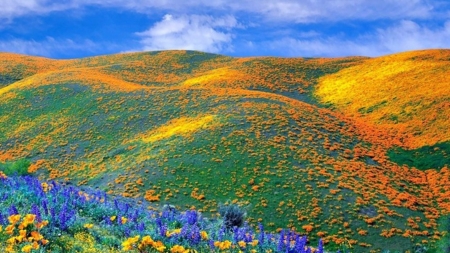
(331, 149)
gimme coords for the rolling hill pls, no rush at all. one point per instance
(327, 147)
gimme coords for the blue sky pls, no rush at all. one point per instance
(290, 28)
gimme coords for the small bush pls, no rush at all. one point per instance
(19, 167)
(232, 215)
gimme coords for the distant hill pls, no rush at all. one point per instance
(327, 147)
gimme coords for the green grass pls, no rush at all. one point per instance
(18, 168)
(427, 157)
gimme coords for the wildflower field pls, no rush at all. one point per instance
(349, 154)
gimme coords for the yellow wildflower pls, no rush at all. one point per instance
(242, 244)
(222, 245)
(146, 241)
(130, 243)
(254, 243)
(29, 218)
(159, 246)
(36, 236)
(11, 241)
(179, 249)
(204, 235)
(123, 220)
(27, 248)
(22, 235)
(42, 224)
(88, 225)
(173, 232)
(35, 245)
(13, 219)
(10, 229)
(113, 218)
(44, 187)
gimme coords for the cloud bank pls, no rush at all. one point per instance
(196, 32)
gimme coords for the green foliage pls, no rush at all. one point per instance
(426, 157)
(232, 215)
(19, 167)
(443, 245)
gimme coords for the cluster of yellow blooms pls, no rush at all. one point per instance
(225, 245)
(45, 187)
(222, 245)
(24, 233)
(173, 232)
(2, 175)
(146, 243)
(123, 220)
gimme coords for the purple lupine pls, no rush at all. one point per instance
(184, 233)
(141, 227)
(195, 237)
(107, 220)
(236, 234)
(63, 219)
(211, 244)
(126, 208)
(261, 234)
(13, 210)
(192, 217)
(53, 213)
(116, 204)
(280, 245)
(4, 196)
(269, 237)
(119, 219)
(163, 230)
(127, 232)
(300, 243)
(35, 210)
(44, 206)
(288, 242)
(221, 233)
(248, 237)
(320, 248)
(2, 219)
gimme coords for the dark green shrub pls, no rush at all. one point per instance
(19, 167)
(232, 215)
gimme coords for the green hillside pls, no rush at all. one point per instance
(195, 130)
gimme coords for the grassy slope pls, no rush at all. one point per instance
(187, 124)
(407, 93)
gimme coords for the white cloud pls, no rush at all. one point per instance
(404, 36)
(47, 47)
(196, 32)
(304, 11)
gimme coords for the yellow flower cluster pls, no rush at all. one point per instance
(146, 243)
(179, 249)
(23, 233)
(204, 235)
(88, 225)
(173, 232)
(222, 245)
(45, 187)
(243, 244)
